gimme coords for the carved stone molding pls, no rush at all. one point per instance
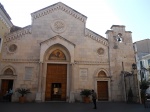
(91, 62)
(98, 38)
(55, 37)
(20, 60)
(59, 6)
(18, 34)
(1, 18)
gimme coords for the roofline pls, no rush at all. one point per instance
(56, 4)
(5, 12)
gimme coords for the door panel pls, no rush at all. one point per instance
(102, 89)
(56, 78)
(6, 85)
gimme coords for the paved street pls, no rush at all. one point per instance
(71, 107)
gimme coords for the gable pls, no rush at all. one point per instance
(57, 37)
(96, 37)
(58, 6)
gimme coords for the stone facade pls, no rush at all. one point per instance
(58, 37)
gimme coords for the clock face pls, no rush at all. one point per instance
(12, 48)
(100, 51)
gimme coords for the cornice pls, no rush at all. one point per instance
(57, 36)
(94, 36)
(91, 62)
(18, 34)
(21, 60)
(59, 6)
(8, 24)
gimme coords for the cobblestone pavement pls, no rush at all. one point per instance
(71, 107)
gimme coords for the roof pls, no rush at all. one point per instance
(58, 6)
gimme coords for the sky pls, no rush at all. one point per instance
(101, 14)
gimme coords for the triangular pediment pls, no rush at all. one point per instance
(57, 37)
(59, 6)
(96, 37)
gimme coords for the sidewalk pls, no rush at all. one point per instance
(71, 107)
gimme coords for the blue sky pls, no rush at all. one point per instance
(134, 14)
(101, 14)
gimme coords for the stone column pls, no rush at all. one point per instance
(39, 93)
(72, 99)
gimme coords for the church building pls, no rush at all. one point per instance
(57, 56)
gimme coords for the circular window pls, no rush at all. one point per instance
(58, 26)
(100, 51)
(12, 48)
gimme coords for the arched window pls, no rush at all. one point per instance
(0, 44)
(119, 37)
(102, 74)
(57, 55)
(8, 71)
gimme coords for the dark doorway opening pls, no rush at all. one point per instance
(6, 86)
(56, 91)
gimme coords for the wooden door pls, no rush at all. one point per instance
(56, 74)
(6, 85)
(102, 89)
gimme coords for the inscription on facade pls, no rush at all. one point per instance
(28, 73)
(83, 74)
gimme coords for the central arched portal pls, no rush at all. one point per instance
(56, 82)
(57, 59)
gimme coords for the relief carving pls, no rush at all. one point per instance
(58, 26)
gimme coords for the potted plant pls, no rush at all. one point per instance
(23, 92)
(86, 93)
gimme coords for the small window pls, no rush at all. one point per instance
(148, 62)
(119, 37)
(0, 44)
(141, 64)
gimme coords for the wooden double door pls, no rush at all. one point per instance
(102, 90)
(6, 85)
(56, 82)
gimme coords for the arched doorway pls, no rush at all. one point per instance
(7, 84)
(56, 76)
(102, 87)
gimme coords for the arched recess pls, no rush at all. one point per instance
(57, 41)
(7, 78)
(56, 62)
(102, 84)
(102, 71)
(57, 53)
(8, 70)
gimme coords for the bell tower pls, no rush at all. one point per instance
(121, 58)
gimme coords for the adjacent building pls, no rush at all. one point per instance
(57, 57)
(5, 25)
(142, 50)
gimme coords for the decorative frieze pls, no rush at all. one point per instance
(91, 62)
(18, 34)
(1, 18)
(98, 38)
(59, 6)
(21, 60)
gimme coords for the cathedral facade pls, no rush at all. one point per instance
(57, 56)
